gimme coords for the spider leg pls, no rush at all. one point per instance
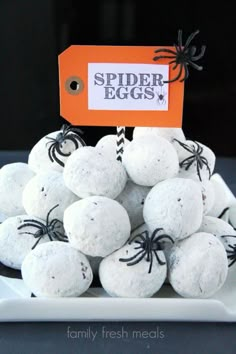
(185, 146)
(37, 242)
(38, 225)
(163, 57)
(205, 162)
(140, 242)
(165, 50)
(137, 260)
(195, 66)
(198, 171)
(139, 236)
(162, 237)
(58, 237)
(48, 214)
(50, 152)
(155, 232)
(190, 38)
(200, 55)
(232, 262)
(56, 158)
(151, 261)
(60, 152)
(186, 73)
(73, 139)
(228, 236)
(27, 233)
(54, 222)
(187, 163)
(131, 258)
(180, 39)
(177, 76)
(158, 259)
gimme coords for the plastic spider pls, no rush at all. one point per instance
(231, 253)
(182, 57)
(148, 246)
(67, 133)
(51, 229)
(196, 156)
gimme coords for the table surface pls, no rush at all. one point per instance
(120, 337)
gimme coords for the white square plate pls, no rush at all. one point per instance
(16, 304)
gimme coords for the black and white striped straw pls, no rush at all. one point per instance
(120, 142)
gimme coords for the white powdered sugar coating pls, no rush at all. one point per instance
(97, 226)
(150, 159)
(208, 195)
(13, 179)
(219, 228)
(107, 145)
(45, 191)
(168, 133)
(198, 266)
(119, 279)
(87, 173)
(221, 199)
(56, 269)
(16, 244)
(39, 160)
(176, 206)
(132, 199)
(191, 171)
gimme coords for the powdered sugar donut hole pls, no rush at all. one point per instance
(221, 199)
(189, 168)
(132, 199)
(169, 134)
(176, 206)
(56, 269)
(107, 145)
(134, 281)
(208, 195)
(43, 192)
(97, 226)
(150, 159)
(87, 173)
(198, 266)
(16, 243)
(13, 179)
(43, 157)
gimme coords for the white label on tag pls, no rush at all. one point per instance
(131, 87)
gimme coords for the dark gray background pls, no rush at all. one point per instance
(180, 338)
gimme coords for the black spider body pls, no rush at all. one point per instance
(196, 157)
(147, 246)
(67, 133)
(231, 252)
(161, 98)
(182, 57)
(51, 228)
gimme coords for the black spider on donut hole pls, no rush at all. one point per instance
(147, 246)
(55, 146)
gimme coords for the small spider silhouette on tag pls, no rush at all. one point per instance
(161, 97)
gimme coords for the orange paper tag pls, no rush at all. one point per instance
(118, 86)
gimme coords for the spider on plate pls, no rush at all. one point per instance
(231, 252)
(148, 246)
(67, 133)
(182, 57)
(51, 229)
(196, 156)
